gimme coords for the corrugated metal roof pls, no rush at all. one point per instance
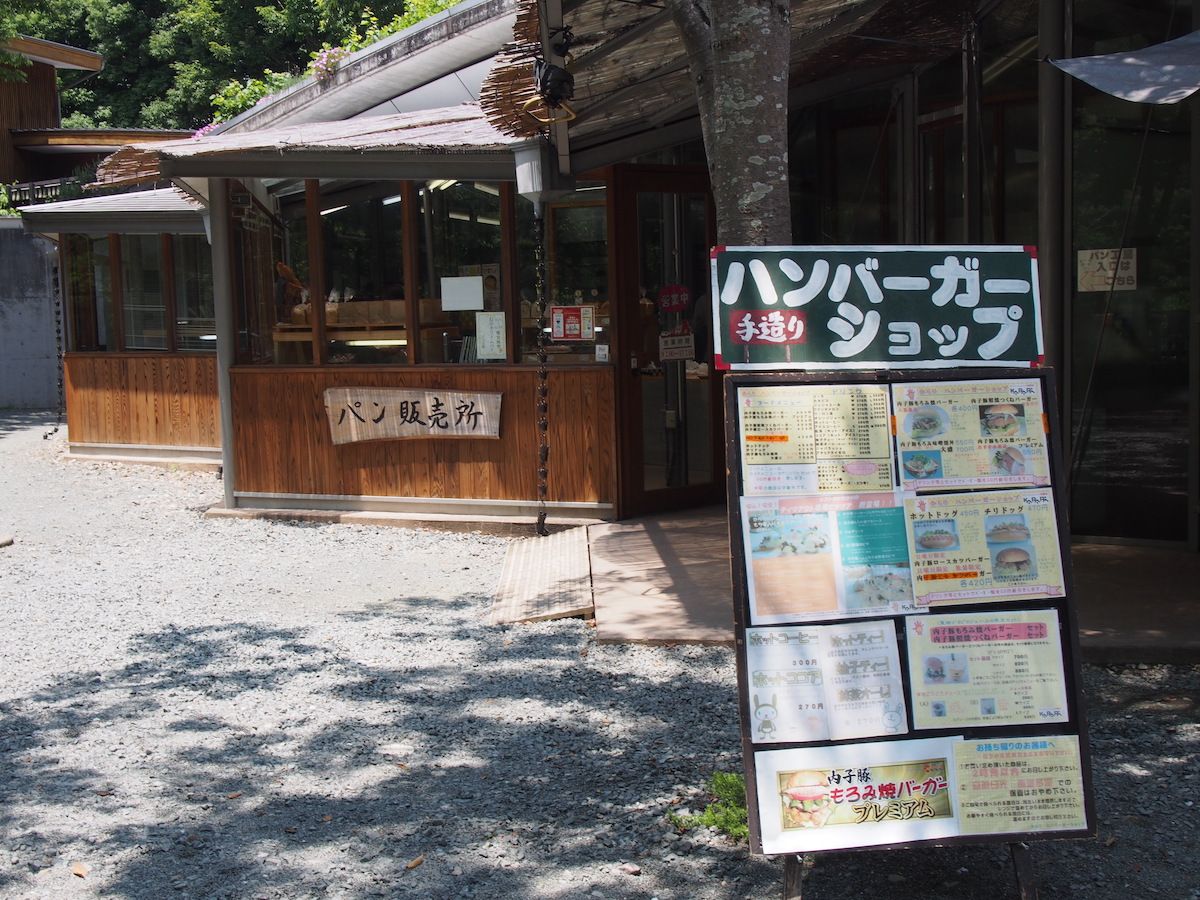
(454, 130)
(163, 200)
(168, 210)
(460, 36)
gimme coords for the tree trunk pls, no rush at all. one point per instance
(739, 52)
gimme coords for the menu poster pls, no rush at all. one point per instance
(988, 545)
(859, 795)
(825, 557)
(970, 434)
(1020, 785)
(815, 438)
(1001, 668)
(824, 682)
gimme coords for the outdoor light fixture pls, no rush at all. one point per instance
(553, 83)
(554, 86)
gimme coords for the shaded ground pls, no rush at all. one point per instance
(233, 708)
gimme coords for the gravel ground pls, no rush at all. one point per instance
(231, 708)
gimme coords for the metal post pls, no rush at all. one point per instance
(543, 374)
(1052, 188)
(226, 324)
(972, 137)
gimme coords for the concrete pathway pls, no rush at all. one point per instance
(666, 578)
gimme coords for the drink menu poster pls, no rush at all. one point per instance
(825, 557)
(989, 668)
(970, 434)
(985, 545)
(815, 439)
(824, 682)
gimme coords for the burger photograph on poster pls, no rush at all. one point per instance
(856, 796)
(1008, 540)
(1002, 420)
(812, 798)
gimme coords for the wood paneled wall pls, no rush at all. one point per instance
(29, 103)
(282, 444)
(157, 399)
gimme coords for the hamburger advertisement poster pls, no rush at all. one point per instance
(830, 798)
(983, 546)
(989, 668)
(970, 434)
(908, 664)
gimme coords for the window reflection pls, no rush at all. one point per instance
(142, 301)
(195, 320)
(460, 249)
(576, 275)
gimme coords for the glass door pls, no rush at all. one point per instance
(1133, 403)
(671, 418)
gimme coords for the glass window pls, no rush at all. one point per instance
(845, 170)
(459, 246)
(142, 299)
(270, 299)
(1129, 345)
(195, 319)
(576, 276)
(676, 393)
(364, 276)
(89, 292)
(1009, 64)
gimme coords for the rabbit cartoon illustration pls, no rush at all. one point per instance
(765, 715)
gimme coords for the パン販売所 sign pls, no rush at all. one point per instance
(875, 307)
(374, 414)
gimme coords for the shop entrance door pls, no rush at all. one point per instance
(670, 422)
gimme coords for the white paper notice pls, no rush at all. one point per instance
(489, 335)
(824, 682)
(462, 292)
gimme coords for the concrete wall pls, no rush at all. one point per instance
(28, 355)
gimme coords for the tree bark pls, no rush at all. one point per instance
(739, 52)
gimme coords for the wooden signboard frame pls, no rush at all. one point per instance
(1076, 723)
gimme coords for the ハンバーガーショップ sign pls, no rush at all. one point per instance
(875, 307)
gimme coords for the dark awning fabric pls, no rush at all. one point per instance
(1162, 73)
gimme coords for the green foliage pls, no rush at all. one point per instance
(727, 810)
(12, 66)
(173, 63)
(236, 96)
(369, 30)
(6, 208)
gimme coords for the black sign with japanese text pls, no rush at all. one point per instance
(875, 307)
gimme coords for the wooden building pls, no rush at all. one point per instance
(376, 216)
(933, 123)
